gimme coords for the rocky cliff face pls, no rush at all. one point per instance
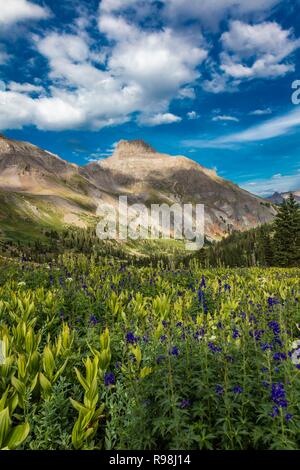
(135, 170)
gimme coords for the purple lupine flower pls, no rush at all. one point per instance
(200, 295)
(109, 379)
(274, 325)
(203, 283)
(275, 411)
(279, 356)
(214, 348)
(235, 333)
(237, 390)
(219, 390)
(256, 334)
(185, 403)
(130, 338)
(278, 395)
(174, 351)
(273, 301)
(93, 320)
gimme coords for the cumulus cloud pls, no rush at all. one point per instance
(160, 62)
(211, 12)
(25, 88)
(208, 12)
(144, 71)
(109, 6)
(192, 115)
(250, 51)
(13, 11)
(143, 66)
(159, 119)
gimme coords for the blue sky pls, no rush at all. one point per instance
(209, 79)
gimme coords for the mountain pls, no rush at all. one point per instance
(278, 198)
(37, 186)
(144, 175)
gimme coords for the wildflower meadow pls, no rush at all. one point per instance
(111, 355)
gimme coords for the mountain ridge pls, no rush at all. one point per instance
(278, 198)
(136, 170)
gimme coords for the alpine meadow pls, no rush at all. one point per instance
(149, 228)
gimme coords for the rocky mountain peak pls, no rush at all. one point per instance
(5, 146)
(127, 149)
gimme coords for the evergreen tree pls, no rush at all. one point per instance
(287, 234)
(267, 248)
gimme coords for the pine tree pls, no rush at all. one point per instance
(287, 234)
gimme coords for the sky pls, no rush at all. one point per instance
(210, 79)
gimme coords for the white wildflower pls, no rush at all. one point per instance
(295, 357)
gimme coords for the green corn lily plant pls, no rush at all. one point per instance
(104, 355)
(11, 437)
(87, 423)
(50, 373)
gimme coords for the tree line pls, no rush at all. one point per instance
(276, 244)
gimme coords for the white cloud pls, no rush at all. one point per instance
(187, 93)
(218, 82)
(261, 112)
(109, 6)
(141, 69)
(24, 88)
(144, 71)
(158, 119)
(278, 183)
(211, 12)
(251, 51)
(270, 129)
(16, 110)
(63, 46)
(160, 62)
(267, 130)
(225, 118)
(13, 11)
(192, 115)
